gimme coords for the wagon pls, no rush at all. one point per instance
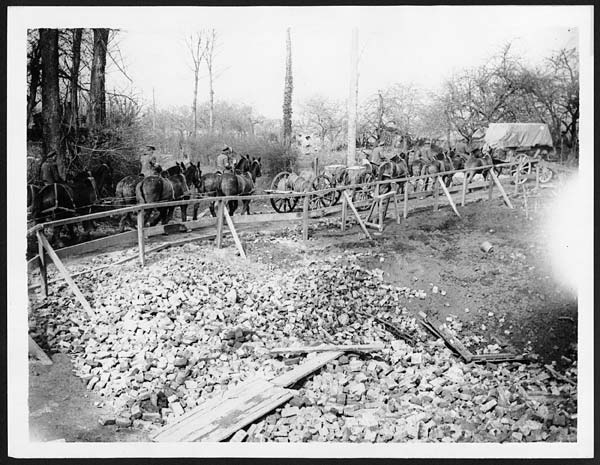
(332, 176)
(526, 144)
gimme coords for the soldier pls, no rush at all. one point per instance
(49, 170)
(377, 157)
(224, 160)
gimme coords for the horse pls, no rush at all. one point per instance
(156, 188)
(62, 201)
(210, 183)
(241, 184)
(473, 165)
(394, 168)
(126, 195)
(193, 177)
(103, 175)
(33, 191)
(177, 169)
(441, 162)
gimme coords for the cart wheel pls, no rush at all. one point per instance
(524, 169)
(546, 174)
(324, 200)
(363, 193)
(283, 204)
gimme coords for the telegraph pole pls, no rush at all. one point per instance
(352, 100)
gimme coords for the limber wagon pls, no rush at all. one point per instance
(332, 176)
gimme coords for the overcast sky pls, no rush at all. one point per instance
(422, 45)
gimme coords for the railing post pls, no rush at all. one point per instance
(537, 175)
(344, 211)
(517, 180)
(140, 231)
(406, 200)
(435, 196)
(491, 186)
(305, 218)
(464, 190)
(42, 263)
(220, 214)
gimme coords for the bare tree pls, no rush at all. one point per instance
(197, 52)
(209, 58)
(97, 111)
(51, 113)
(74, 90)
(34, 71)
(287, 94)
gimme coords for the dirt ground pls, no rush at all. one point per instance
(508, 296)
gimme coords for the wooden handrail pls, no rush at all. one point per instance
(177, 203)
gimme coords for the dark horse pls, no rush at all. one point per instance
(241, 184)
(394, 168)
(125, 194)
(103, 175)
(61, 201)
(473, 165)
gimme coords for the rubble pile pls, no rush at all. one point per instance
(190, 325)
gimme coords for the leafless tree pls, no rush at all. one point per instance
(97, 111)
(197, 52)
(287, 94)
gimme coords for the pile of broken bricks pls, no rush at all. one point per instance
(187, 328)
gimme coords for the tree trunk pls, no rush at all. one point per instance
(287, 95)
(211, 93)
(34, 82)
(76, 60)
(352, 100)
(50, 97)
(195, 103)
(97, 111)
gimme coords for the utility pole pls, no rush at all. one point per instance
(153, 112)
(352, 100)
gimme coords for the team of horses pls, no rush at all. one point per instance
(429, 161)
(80, 194)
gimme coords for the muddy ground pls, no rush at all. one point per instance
(508, 295)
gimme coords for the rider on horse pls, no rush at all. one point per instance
(224, 162)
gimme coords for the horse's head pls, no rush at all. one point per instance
(255, 168)
(243, 164)
(193, 175)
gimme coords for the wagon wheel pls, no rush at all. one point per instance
(323, 200)
(282, 204)
(363, 193)
(524, 169)
(546, 174)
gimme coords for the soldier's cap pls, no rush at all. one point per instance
(150, 147)
(226, 148)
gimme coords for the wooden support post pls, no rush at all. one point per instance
(501, 189)
(140, 232)
(372, 208)
(42, 262)
(380, 214)
(517, 179)
(537, 175)
(405, 203)
(464, 190)
(396, 206)
(61, 268)
(305, 217)
(448, 196)
(358, 218)
(36, 351)
(435, 196)
(344, 212)
(491, 186)
(525, 201)
(236, 238)
(220, 207)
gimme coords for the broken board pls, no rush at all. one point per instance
(218, 419)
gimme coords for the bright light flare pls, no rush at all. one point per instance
(565, 224)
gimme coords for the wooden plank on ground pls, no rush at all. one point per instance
(329, 348)
(308, 367)
(61, 268)
(218, 419)
(38, 353)
(451, 340)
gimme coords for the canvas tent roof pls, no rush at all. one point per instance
(507, 135)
